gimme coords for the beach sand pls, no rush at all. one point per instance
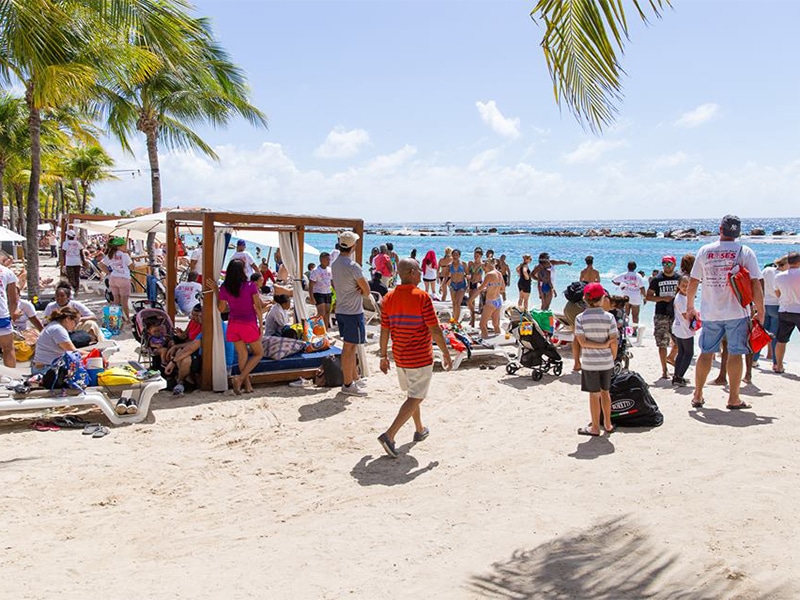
(287, 494)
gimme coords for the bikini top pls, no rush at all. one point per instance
(460, 268)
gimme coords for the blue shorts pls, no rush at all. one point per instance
(351, 328)
(458, 285)
(737, 331)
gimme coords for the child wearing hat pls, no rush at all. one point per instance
(596, 333)
(250, 265)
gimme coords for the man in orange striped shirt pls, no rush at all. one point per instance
(407, 316)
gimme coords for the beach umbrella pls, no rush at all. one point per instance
(154, 223)
(267, 239)
(6, 235)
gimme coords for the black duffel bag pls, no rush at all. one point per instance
(632, 405)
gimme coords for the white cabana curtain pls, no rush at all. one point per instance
(219, 369)
(289, 244)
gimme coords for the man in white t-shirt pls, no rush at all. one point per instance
(26, 315)
(187, 293)
(787, 288)
(633, 286)
(73, 259)
(8, 308)
(723, 316)
(250, 265)
(319, 288)
(196, 259)
(771, 305)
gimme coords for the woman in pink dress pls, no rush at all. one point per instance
(239, 296)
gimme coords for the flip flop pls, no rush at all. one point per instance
(45, 426)
(741, 406)
(101, 432)
(70, 422)
(91, 428)
(698, 404)
(611, 430)
(587, 431)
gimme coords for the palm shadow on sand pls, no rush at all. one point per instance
(388, 471)
(613, 560)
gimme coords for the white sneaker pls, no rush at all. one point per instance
(353, 390)
(301, 383)
(362, 383)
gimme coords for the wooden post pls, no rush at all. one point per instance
(172, 267)
(209, 301)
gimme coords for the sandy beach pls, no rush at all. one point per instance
(287, 494)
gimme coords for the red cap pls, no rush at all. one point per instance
(669, 258)
(594, 291)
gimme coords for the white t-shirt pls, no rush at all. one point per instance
(250, 265)
(768, 275)
(277, 319)
(680, 326)
(197, 255)
(322, 280)
(119, 265)
(714, 262)
(28, 310)
(6, 277)
(187, 295)
(79, 306)
(631, 283)
(788, 283)
(72, 253)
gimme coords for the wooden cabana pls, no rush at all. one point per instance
(211, 222)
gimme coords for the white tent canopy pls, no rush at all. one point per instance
(6, 235)
(267, 239)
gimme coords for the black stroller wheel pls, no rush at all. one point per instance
(536, 374)
(558, 369)
(617, 368)
(512, 368)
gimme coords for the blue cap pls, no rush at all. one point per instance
(241, 243)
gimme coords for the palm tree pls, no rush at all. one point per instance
(61, 49)
(13, 136)
(208, 88)
(582, 43)
(87, 165)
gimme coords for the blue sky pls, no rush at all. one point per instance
(441, 110)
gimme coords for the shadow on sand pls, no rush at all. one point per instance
(611, 561)
(731, 418)
(388, 471)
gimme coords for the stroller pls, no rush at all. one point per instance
(142, 321)
(624, 355)
(535, 351)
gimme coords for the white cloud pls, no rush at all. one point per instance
(591, 151)
(670, 160)
(484, 159)
(491, 115)
(698, 116)
(341, 143)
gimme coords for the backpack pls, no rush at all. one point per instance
(67, 371)
(740, 283)
(80, 338)
(329, 374)
(632, 405)
(574, 291)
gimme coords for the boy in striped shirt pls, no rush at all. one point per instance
(596, 332)
(407, 316)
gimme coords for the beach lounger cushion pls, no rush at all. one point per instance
(278, 348)
(296, 362)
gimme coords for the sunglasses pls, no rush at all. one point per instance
(667, 263)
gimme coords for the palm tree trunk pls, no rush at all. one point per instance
(20, 217)
(74, 183)
(155, 184)
(2, 206)
(85, 189)
(32, 242)
(10, 195)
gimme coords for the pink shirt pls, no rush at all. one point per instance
(241, 307)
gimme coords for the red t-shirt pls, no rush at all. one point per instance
(407, 312)
(193, 329)
(383, 264)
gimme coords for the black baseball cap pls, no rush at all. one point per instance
(731, 226)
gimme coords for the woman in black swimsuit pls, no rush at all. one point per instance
(524, 282)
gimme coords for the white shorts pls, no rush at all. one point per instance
(6, 331)
(415, 382)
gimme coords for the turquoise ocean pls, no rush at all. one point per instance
(611, 254)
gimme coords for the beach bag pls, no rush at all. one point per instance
(318, 343)
(632, 405)
(277, 348)
(80, 338)
(112, 318)
(124, 375)
(23, 350)
(543, 318)
(329, 374)
(574, 292)
(316, 326)
(759, 337)
(66, 372)
(740, 283)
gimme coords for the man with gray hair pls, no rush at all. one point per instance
(351, 287)
(407, 316)
(723, 315)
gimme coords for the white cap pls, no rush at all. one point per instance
(70, 232)
(348, 239)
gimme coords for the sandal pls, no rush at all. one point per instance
(698, 403)
(587, 431)
(741, 406)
